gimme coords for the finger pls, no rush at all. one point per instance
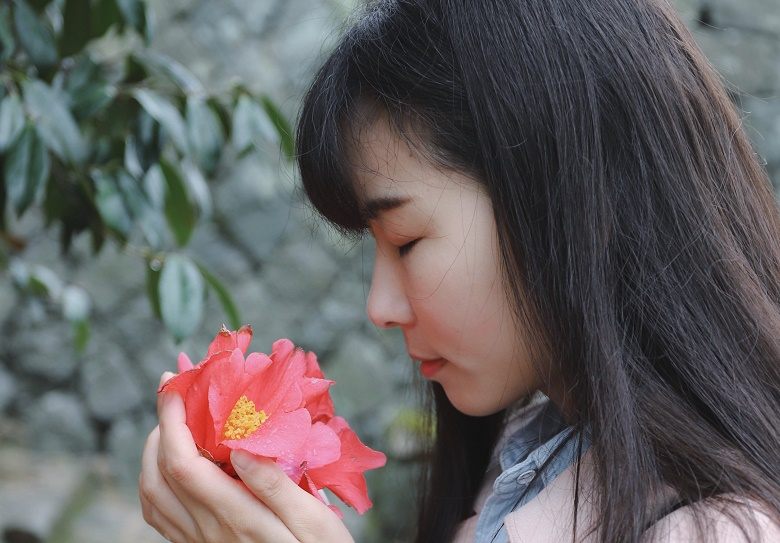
(175, 436)
(166, 375)
(202, 488)
(164, 378)
(156, 520)
(155, 494)
(304, 515)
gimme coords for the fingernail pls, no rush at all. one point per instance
(241, 459)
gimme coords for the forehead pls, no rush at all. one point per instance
(388, 167)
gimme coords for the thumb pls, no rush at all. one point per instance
(308, 518)
(263, 477)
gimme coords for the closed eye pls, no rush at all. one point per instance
(404, 249)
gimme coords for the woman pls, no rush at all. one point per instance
(574, 232)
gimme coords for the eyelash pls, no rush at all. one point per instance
(403, 250)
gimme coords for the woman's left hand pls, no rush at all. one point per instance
(188, 499)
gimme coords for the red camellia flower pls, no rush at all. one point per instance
(278, 407)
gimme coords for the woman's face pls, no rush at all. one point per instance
(437, 276)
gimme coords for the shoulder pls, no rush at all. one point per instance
(720, 520)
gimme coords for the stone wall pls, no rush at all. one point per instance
(72, 426)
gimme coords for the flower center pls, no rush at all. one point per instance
(243, 420)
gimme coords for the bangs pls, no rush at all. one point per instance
(372, 74)
(323, 148)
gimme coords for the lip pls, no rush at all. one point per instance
(429, 368)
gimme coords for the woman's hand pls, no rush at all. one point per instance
(188, 499)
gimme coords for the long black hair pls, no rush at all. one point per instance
(637, 228)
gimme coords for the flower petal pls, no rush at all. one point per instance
(282, 349)
(277, 388)
(256, 363)
(227, 340)
(225, 388)
(323, 446)
(184, 363)
(345, 476)
(313, 367)
(316, 397)
(281, 434)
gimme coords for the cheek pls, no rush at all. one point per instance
(456, 290)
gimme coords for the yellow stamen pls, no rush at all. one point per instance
(244, 419)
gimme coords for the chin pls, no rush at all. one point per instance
(473, 406)
(479, 405)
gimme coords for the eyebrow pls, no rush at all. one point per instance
(376, 206)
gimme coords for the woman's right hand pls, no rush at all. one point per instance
(188, 499)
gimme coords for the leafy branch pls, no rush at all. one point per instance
(121, 149)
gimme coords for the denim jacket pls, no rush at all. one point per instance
(530, 438)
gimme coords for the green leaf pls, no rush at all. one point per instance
(224, 113)
(134, 14)
(147, 218)
(11, 120)
(105, 14)
(234, 318)
(281, 125)
(179, 211)
(165, 113)
(35, 35)
(88, 89)
(39, 5)
(205, 134)
(197, 188)
(81, 335)
(110, 203)
(3, 198)
(132, 161)
(44, 282)
(26, 170)
(154, 186)
(76, 26)
(251, 123)
(181, 295)
(168, 68)
(7, 41)
(55, 124)
(153, 285)
(92, 100)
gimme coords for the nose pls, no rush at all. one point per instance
(387, 304)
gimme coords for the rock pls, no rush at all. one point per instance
(101, 274)
(115, 516)
(8, 299)
(257, 231)
(751, 16)
(41, 344)
(35, 491)
(748, 63)
(109, 385)
(301, 270)
(218, 255)
(7, 388)
(362, 374)
(271, 317)
(59, 422)
(125, 443)
(343, 308)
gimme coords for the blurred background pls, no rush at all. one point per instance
(150, 197)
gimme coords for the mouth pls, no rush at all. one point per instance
(429, 368)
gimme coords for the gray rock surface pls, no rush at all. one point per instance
(34, 492)
(108, 383)
(7, 388)
(59, 422)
